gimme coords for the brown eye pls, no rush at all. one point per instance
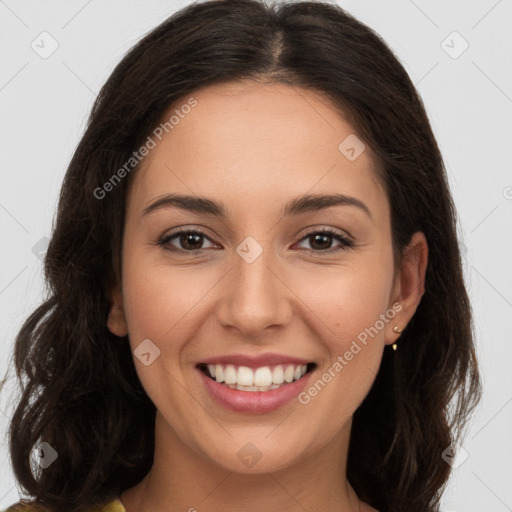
(320, 241)
(187, 241)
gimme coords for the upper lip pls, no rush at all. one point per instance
(255, 361)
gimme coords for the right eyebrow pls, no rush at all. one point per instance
(190, 203)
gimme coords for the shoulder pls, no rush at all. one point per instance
(25, 506)
(114, 505)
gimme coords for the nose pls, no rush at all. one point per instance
(255, 297)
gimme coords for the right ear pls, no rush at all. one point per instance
(116, 321)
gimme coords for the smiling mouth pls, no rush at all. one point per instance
(264, 378)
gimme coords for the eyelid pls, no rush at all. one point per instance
(325, 228)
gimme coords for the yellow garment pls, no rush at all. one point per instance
(113, 506)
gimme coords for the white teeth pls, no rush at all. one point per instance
(230, 374)
(263, 376)
(219, 373)
(252, 388)
(278, 375)
(245, 376)
(289, 373)
(246, 388)
(258, 379)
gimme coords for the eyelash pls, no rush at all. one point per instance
(346, 242)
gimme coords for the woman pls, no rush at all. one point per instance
(248, 275)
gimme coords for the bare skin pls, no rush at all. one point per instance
(254, 148)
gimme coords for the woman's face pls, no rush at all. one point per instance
(259, 280)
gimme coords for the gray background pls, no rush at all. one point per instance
(44, 103)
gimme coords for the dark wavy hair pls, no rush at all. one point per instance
(79, 389)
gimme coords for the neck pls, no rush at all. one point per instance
(182, 479)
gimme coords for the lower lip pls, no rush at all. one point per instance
(254, 402)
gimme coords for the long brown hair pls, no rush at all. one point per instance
(80, 391)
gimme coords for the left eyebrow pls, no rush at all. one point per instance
(297, 206)
(309, 203)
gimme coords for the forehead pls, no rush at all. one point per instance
(248, 140)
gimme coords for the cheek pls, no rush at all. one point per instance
(351, 312)
(348, 300)
(160, 300)
(159, 305)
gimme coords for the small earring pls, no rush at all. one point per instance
(396, 329)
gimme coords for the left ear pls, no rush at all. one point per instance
(409, 285)
(116, 321)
